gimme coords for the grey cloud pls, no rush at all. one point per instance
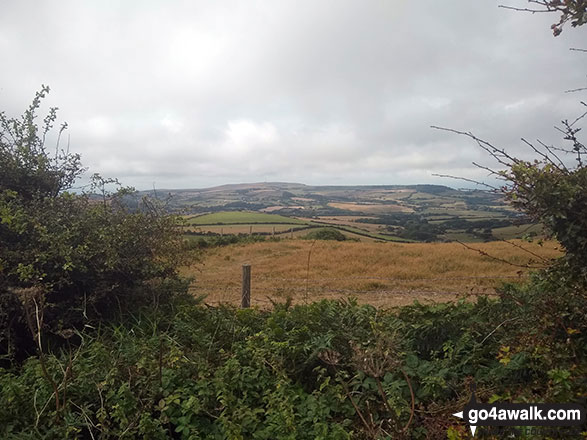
(189, 94)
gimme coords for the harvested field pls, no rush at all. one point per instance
(383, 274)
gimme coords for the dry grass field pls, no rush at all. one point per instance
(382, 274)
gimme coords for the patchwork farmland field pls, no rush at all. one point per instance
(238, 217)
(424, 213)
(252, 228)
(371, 208)
(243, 222)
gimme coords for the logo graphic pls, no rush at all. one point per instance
(478, 414)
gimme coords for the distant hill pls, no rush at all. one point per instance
(299, 199)
(388, 212)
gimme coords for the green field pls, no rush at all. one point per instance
(473, 226)
(244, 222)
(242, 218)
(255, 228)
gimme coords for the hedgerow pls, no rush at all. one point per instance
(70, 259)
(333, 369)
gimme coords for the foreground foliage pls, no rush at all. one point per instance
(329, 370)
(68, 259)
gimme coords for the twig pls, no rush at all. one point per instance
(357, 410)
(66, 375)
(532, 11)
(580, 89)
(42, 361)
(160, 372)
(485, 254)
(386, 403)
(413, 400)
(42, 409)
(497, 153)
(540, 153)
(525, 250)
(491, 172)
(496, 328)
(551, 151)
(466, 180)
(580, 117)
(89, 422)
(308, 271)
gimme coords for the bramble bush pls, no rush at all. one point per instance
(327, 370)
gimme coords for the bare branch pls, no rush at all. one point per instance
(497, 328)
(533, 11)
(413, 405)
(466, 180)
(498, 154)
(485, 254)
(540, 153)
(546, 260)
(576, 90)
(580, 117)
(551, 151)
(491, 172)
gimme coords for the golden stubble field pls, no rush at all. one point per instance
(382, 274)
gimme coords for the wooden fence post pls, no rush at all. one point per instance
(246, 294)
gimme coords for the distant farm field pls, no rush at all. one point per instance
(278, 228)
(383, 274)
(241, 217)
(371, 208)
(246, 222)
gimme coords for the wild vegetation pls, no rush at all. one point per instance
(330, 370)
(99, 339)
(131, 356)
(66, 259)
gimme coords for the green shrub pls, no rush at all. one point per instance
(326, 234)
(331, 370)
(67, 259)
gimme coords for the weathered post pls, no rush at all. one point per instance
(290, 232)
(250, 230)
(273, 233)
(246, 294)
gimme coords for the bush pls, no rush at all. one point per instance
(326, 234)
(199, 241)
(332, 370)
(67, 259)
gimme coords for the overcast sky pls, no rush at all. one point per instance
(188, 94)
